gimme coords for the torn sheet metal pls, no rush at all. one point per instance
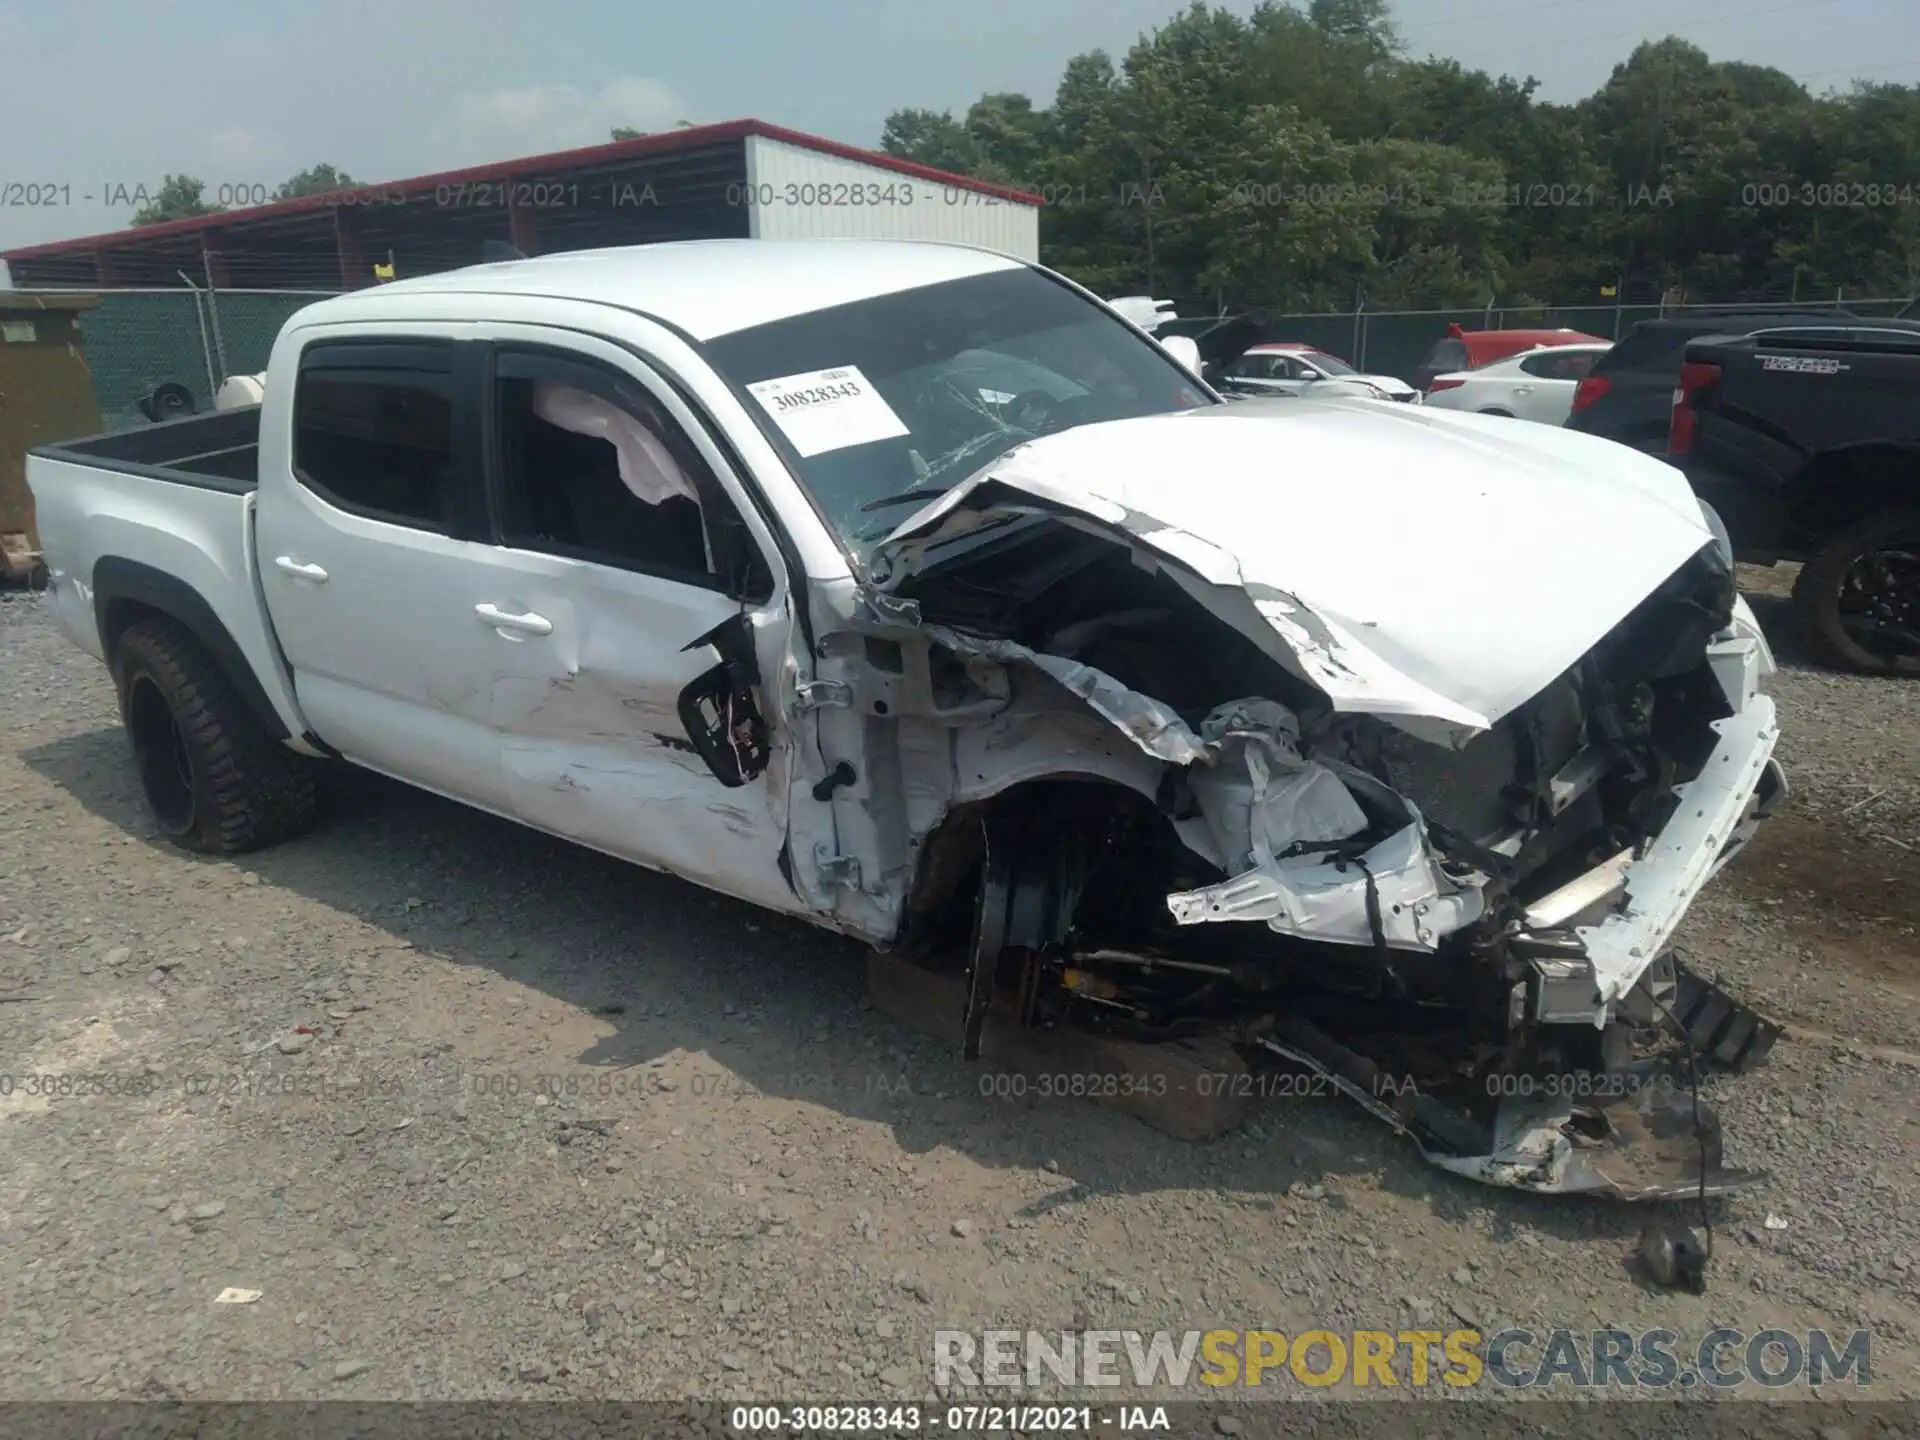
(1153, 726)
(1681, 859)
(1462, 595)
(1259, 795)
(1640, 1145)
(1638, 1142)
(1314, 898)
(1268, 807)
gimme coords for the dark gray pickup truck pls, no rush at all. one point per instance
(1806, 441)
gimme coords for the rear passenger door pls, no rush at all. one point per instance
(367, 556)
(622, 583)
(1545, 391)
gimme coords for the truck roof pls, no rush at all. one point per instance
(705, 287)
(1862, 332)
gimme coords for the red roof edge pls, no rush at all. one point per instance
(691, 137)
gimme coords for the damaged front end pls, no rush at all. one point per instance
(1307, 848)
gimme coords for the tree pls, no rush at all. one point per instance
(626, 132)
(315, 181)
(932, 137)
(1366, 23)
(178, 198)
(1295, 154)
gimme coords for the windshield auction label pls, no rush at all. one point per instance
(824, 410)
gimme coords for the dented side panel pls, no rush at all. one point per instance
(590, 731)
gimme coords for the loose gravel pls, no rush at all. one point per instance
(430, 1106)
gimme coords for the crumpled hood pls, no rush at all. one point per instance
(1407, 562)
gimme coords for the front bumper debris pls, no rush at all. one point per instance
(1647, 1143)
(1633, 1132)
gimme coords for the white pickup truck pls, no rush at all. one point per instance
(910, 589)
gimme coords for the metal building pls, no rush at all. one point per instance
(744, 178)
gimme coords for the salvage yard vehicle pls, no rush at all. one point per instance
(1461, 349)
(1381, 742)
(1628, 395)
(1806, 437)
(1534, 385)
(1289, 368)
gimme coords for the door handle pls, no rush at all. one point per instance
(531, 624)
(305, 572)
(1523, 389)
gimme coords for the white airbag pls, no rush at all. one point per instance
(646, 468)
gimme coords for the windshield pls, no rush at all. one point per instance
(904, 395)
(1329, 364)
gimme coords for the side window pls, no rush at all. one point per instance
(589, 466)
(1248, 367)
(373, 431)
(1559, 367)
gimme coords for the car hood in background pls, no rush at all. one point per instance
(1434, 569)
(1391, 384)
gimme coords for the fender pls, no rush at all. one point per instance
(125, 591)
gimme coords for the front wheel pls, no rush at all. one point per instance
(216, 781)
(1860, 596)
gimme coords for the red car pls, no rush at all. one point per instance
(1470, 349)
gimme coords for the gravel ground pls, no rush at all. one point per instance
(313, 1076)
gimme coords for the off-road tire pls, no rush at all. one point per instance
(1817, 593)
(191, 731)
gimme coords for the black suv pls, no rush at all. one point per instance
(1628, 395)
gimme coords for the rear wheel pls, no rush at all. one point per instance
(1861, 596)
(216, 781)
(1496, 410)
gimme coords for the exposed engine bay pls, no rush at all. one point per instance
(1467, 931)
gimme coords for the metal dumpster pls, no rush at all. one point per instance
(46, 396)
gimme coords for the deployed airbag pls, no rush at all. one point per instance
(646, 468)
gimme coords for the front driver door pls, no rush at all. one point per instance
(613, 608)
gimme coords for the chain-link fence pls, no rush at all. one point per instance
(1397, 342)
(138, 340)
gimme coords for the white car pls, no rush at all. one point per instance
(909, 590)
(1293, 369)
(1536, 384)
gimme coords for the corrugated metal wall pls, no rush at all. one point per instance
(797, 194)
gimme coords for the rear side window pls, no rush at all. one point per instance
(373, 431)
(1559, 367)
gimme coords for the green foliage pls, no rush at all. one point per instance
(1299, 156)
(627, 132)
(315, 181)
(178, 198)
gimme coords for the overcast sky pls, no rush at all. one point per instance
(246, 92)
